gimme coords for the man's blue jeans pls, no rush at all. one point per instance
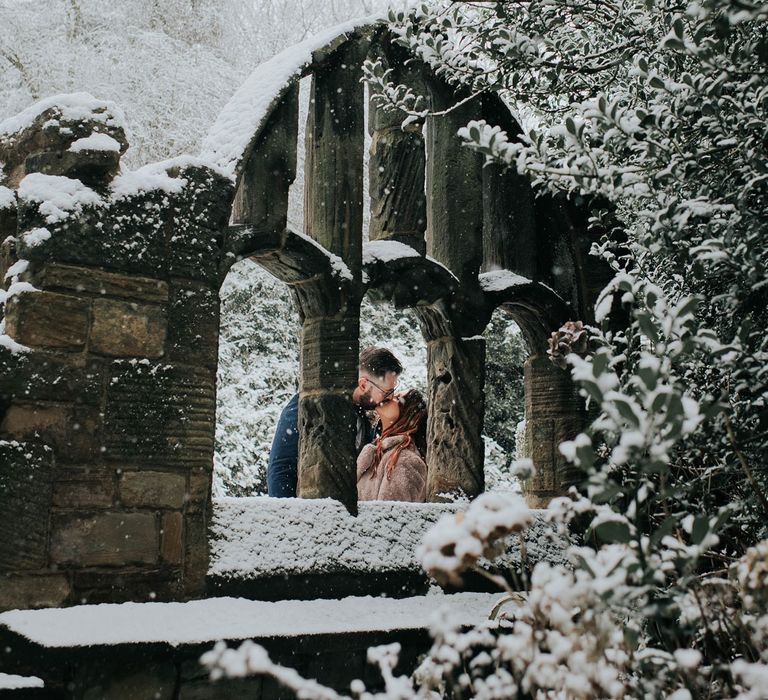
(282, 469)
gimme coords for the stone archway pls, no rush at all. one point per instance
(111, 317)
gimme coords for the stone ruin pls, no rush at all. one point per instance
(109, 353)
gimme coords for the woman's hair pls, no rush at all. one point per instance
(412, 425)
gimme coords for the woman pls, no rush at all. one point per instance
(392, 468)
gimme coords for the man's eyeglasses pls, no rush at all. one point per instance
(387, 394)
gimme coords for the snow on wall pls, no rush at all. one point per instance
(500, 280)
(244, 115)
(262, 536)
(77, 106)
(10, 681)
(209, 620)
(386, 251)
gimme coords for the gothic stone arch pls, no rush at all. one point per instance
(107, 389)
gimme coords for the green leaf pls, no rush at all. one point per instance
(700, 529)
(613, 531)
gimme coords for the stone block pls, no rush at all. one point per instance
(105, 539)
(84, 488)
(172, 537)
(199, 493)
(123, 329)
(101, 283)
(33, 591)
(125, 679)
(195, 553)
(26, 480)
(70, 429)
(144, 489)
(160, 414)
(193, 323)
(47, 377)
(49, 320)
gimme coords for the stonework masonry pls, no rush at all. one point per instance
(108, 355)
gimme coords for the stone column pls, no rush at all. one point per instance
(455, 451)
(396, 165)
(456, 353)
(330, 331)
(554, 412)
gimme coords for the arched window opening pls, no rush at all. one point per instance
(257, 375)
(504, 401)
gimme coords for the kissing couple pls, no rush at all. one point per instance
(390, 436)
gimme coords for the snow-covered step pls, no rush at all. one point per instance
(152, 650)
(200, 621)
(272, 548)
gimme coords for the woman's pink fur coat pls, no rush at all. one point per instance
(409, 477)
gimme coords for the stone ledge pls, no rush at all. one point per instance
(100, 283)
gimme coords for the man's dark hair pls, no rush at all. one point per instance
(378, 361)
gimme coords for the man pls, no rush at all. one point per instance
(378, 371)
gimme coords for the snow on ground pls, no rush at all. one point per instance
(262, 536)
(201, 621)
(9, 681)
(244, 115)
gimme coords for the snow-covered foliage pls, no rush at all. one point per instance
(656, 110)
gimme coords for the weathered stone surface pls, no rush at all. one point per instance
(196, 552)
(45, 590)
(327, 454)
(152, 489)
(124, 329)
(106, 539)
(329, 353)
(125, 679)
(69, 428)
(93, 167)
(26, 477)
(333, 210)
(45, 319)
(454, 194)
(172, 537)
(455, 450)
(193, 323)
(47, 377)
(396, 176)
(262, 196)
(101, 283)
(199, 494)
(159, 414)
(553, 413)
(49, 137)
(84, 488)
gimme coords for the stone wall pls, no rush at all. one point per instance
(107, 372)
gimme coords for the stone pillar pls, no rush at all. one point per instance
(554, 412)
(455, 450)
(456, 355)
(397, 165)
(454, 189)
(330, 331)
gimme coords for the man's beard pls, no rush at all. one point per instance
(367, 403)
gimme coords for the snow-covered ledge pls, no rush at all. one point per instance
(264, 538)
